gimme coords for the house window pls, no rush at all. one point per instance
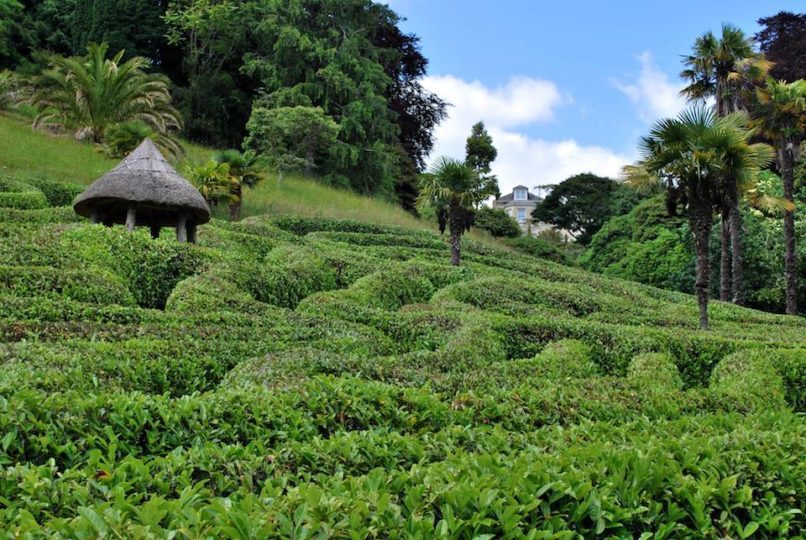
(520, 195)
(521, 215)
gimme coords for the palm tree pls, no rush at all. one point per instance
(782, 117)
(213, 181)
(122, 138)
(91, 93)
(245, 170)
(721, 68)
(453, 189)
(690, 156)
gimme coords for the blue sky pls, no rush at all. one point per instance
(564, 86)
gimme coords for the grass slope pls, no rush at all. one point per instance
(29, 153)
(299, 377)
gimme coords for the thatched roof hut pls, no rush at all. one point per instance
(144, 190)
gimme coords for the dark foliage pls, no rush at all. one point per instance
(497, 223)
(583, 203)
(783, 40)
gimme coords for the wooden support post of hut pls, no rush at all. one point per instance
(131, 218)
(144, 190)
(181, 228)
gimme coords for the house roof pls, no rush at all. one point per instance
(146, 179)
(509, 197)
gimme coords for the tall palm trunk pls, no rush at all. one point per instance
(456, 228)
(724, 261)
(736, 251)
(786, 161)
(700, 221)
(235, 205)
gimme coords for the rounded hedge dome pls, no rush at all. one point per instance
(145, 181)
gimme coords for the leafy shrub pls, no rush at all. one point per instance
(57, 193)
(654, 370)
(150, 268)
(61, 214)
(20, 195)
(497, 222)
(567, 358)
(83, 285)
(290, 275)
(790, 364)
(341, 378)
(750, 379)
(537, 247)
(304, 225)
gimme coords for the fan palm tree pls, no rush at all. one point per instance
(453, 189)
(721, 68)
(245, 170)
(213, 181)
(88, 94)
(690, 156)
(782, 117)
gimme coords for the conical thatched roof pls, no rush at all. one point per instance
(145, 180)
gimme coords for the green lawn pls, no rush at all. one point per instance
(27, 152)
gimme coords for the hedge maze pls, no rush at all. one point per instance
(294, 377)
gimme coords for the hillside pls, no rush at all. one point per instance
(29, 153)
(294, 376)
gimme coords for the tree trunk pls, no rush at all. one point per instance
(700, 220)
(456, 228)
(235, 206)
(724, 261)
(737, 264)
(786, 156)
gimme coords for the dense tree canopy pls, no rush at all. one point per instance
(348, 58)
(583, 203)
(650, 246)
(292, 138)
(783, 40)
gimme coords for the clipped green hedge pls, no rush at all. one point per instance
(751, 377)
(150, 268)
(85, 285)
(57, 193)
(654, 371)
(303, 225)
(20, 195)
(330, 378)
(62, 214)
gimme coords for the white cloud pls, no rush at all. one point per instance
(521, 101)
(528, 161)
(521, 159)
(651, 92)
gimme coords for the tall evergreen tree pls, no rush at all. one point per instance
(480, 153)
(783, 40)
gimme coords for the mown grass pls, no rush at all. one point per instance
(26, 152)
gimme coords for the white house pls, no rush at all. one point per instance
(519, 205)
